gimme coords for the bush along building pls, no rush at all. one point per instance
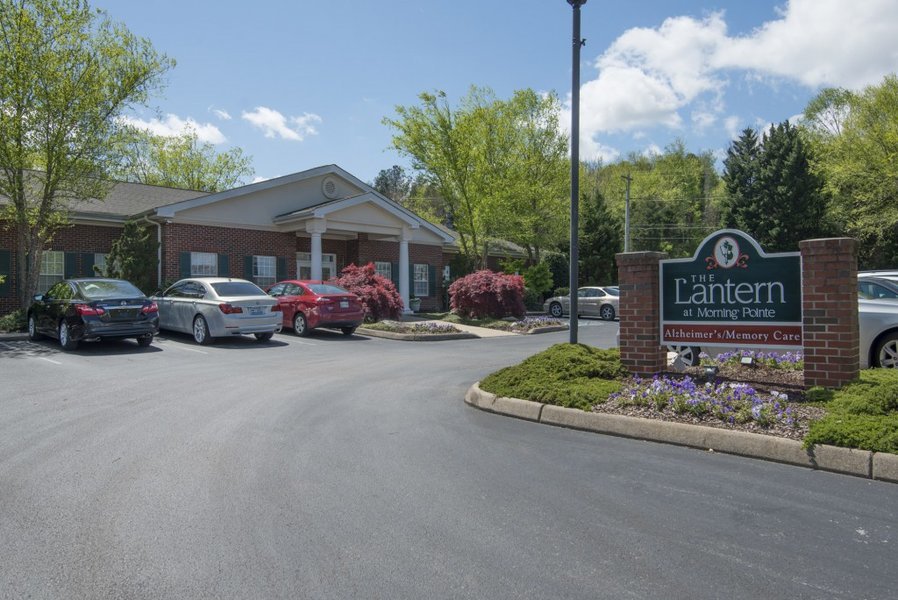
(307, 225)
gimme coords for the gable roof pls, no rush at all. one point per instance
(170, 209)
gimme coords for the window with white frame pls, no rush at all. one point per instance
(264, 270)
(203, 263)
(99, 265)
(422, 287)
(52, 269)
(384, 269)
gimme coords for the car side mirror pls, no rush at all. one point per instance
(38, 297)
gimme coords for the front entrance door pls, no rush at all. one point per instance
(304, 266)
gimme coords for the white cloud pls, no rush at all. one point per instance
(821, 43)
(733, 126)
(173, 126)
(274, 124)
(650, 77)
(258, 179)
(222, 114)
(652, 150)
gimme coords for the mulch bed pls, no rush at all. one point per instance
(762, 379)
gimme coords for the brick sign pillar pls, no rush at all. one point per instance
(829, 304)
(640, 317)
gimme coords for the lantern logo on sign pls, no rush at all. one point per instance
(727, 255)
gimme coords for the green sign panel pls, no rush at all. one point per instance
(732, 293)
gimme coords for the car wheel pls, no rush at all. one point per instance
(263, 337)
(347, 330)
(33, 334)
(145, 340)
(688, 355)
(300, 327)
(201, 331)
(887, 352)
(555, 309)
(607, 312)
(65, 337)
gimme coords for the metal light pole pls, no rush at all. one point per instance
(575, 164)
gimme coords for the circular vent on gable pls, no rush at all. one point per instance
(329, 187)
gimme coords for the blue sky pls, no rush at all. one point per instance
(302, 83)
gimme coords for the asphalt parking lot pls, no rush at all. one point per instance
(341, 467)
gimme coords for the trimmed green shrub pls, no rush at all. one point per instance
(571, 375)
(862, 414)
(14, 321)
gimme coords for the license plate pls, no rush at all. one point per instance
(255, 310)
(123, 314)
(344, 303)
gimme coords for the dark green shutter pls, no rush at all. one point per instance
(282, 268)
(431, 281)
(411, 281)
(394, 274)
(248, 268)
(224, 266)
(87, 265)
(71, 264)
(185, 264)
(6, 272)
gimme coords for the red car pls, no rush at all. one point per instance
(309, 304)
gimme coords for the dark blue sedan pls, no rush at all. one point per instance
(75, 310)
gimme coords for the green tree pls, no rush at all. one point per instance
(394, 183)
(674, 197)
(493, 164)
(775, 197)
(600, 239)
(857, 157)
(181, 162)
(741, 174)
(66, 74)
(134, 257)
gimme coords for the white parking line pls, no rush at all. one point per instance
(166, 344)
(47, 359)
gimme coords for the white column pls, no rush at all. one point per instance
(403, 268)
(316, 227)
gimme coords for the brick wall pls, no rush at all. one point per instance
(830, 311)
(236, 243)
(75, 238)
(640, 335)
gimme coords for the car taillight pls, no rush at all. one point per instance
(229, 309)
(152, 307)
(85, 310)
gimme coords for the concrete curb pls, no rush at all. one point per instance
(416, 337)
(860, 463)
(13, 337)
(549, 329)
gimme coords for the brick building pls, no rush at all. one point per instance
(307, 225)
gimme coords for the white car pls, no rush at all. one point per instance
(596, 301)
(211, 307)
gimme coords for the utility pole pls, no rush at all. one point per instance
(575, 165)
(628, 179)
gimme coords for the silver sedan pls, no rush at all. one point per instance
(210, 307)
(592, 301)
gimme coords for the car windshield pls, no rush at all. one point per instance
(237, 288)
(613, 290)
(107, 288)
(323, 289)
